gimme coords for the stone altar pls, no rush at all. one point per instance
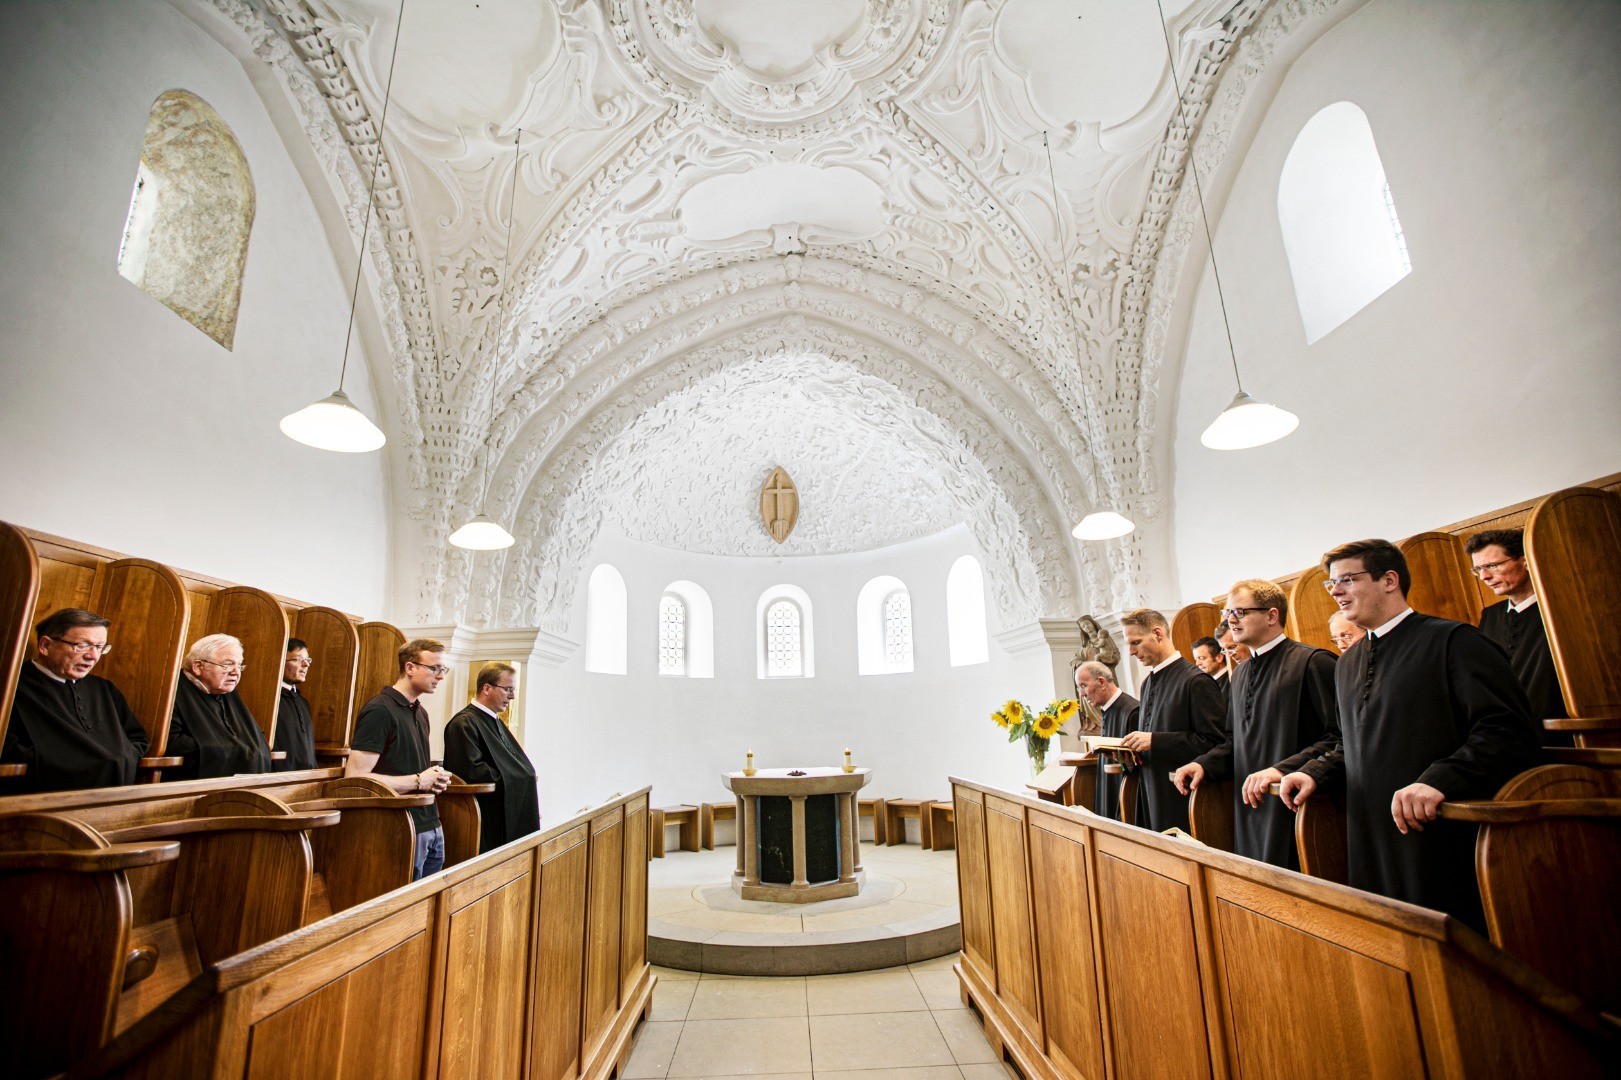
(797, 836)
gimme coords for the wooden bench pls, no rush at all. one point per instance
(708, 814)
(1210, 814)
(682, 814)
(942, 826)
(875, 809)
(897, 812)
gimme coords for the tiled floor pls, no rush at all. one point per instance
(907, 1023)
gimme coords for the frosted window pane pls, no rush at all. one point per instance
(672, 636)
(782, 642)
(898, 629)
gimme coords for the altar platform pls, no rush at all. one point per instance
(906, 913)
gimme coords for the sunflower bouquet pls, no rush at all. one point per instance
(1036, 729)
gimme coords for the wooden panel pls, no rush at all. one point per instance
(486, 982)
(1010, 914)
(330, 689)
(602, 931)
(67, 577)
(974, 884)
(1151, 969)
(1309, 609)
(377, 664)
(633, 908)
(1210, 814)
(369, 852)
(19, 591)
(560, 956)
(1320, 839)
(1193, 622)
(1442, 583)
(1072, 1009)
(149, 610)
(255, 618)
(1573, 539)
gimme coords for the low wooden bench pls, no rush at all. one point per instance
(708, 814)
(874, 808)
(943, 826)
(896, 813)
(682, 814)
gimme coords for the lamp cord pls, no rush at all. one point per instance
(371, 192)
(500, 323)
(1198, 190)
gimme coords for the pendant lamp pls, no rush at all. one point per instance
(1102, 525)
(334, 423)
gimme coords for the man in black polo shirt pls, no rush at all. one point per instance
(391, 743)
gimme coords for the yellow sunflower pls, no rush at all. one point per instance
(1001, 720)
(1067, 710)
(1045, 726)
(1015, 712)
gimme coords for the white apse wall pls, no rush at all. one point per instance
(1486, 376)
(121, 424)
(587, 733)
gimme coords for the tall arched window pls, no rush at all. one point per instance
(1340, 230)
(698, 630)
(672, 635)
(965, 613)
(786, 648)
(884, 627)
(186, 240)
(898, 630)
(605, 621)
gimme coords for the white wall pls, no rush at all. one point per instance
(593, 734)
(121, 424)
(1488, 375)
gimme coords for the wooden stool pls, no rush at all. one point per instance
(896, 811)
(682, 814)
(873, 808)
(708, 814)
(943, 825)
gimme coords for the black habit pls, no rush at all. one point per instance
(71, 735)
(1118, 719)
(1181, 707)
(1281, 706)
(480, 750)
(295, 732)
(1224, 683)
(215, 734)
(1525, 639)
(1431, 702)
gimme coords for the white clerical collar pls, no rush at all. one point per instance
(1257, 650)
(48, 673)
(480, 705)
(1520, 609)
(1165, 663)
(1391, 625)
(1220, 675)
(285, 685)
(1114, 697)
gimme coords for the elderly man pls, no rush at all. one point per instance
(391, 742)
(1180, 719)
(1498, 560)
(211, 730)
(481, 750)
(71, 729)
(295, 730)
(1095, 682)
(1210, 658)
(1344, 632)
(1236, 651)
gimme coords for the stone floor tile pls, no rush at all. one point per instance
(877, 1041)
(756, 1047)
(721, 997)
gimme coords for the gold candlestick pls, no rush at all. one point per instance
(847, 766)
(748, 768)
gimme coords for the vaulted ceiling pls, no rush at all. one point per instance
(816, 233)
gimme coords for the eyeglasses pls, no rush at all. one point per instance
(80, 648)
(300, 661)
(509, 690)
(229, 665)
(1492, 566)
(1345, 579)
(437, 669)
(1239, 612)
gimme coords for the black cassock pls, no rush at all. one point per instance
(1225, 685)
(1118, 719)
(73, 735)
(295, 732)
(1181, 707)
(1281, 708)
(1525, 639)
(480, 750)
(215, 734)
(1432, 702)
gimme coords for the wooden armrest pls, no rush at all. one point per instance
(18, 769)
(331, 750)
(162, 830)
(278, 755)
(1515, 813)
(1580, 724)
(362, 802)
(468, 789)
(161, 762)
(1603, 756)
(90, 860)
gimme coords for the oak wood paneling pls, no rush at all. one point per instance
(487, 975)
(1072, 1007)
(149, 610)
(1442, 584)
(633, 899)
(19, 592)
(973, 884)
(560, 955)
(377, 664)
(330, 688)
(602, 930)
(1193, 622)
(1010, 913)
(1573, 539)
(1309, 609)
(255, 618)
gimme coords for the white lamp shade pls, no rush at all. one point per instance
(1102, 525)
(1246, 423)
(333, 423)
(481, 534)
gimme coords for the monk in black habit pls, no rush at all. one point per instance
(1209, 658)
(1096, 683)
(480, 750)
(71, 729)
(1180, 718)
(1498, 558)
(295, 729)
(1282, 705)
(211, 729)
(1430, 711)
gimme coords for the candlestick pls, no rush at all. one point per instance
(847, 766)
(748, 769)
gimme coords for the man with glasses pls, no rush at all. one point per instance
(295, 730)
(1180, 719)
(480, 749)
(1498, 558)
(1430, 711)
(1343, 632)
(1281, 707)
(391, 743)
(70, 729)
(211, 730)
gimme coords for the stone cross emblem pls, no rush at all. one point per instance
(779, 504)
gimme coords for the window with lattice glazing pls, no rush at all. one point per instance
(784, 654)
(898, 629)
(672, 635)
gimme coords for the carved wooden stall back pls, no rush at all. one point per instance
(1442, 583)
(1309, 609)
(19, 592)
(255, 618)
(1193, 622)
(378, 665)
(150, 613)
(330, 689)
(1210, 814)
(1573, 541)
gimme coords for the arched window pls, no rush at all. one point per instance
(786, 643)
(605, 621)
(884, 627)
(186, 240)
(672, 635)
(686, 631)
(965, 613)
(1340, 230)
